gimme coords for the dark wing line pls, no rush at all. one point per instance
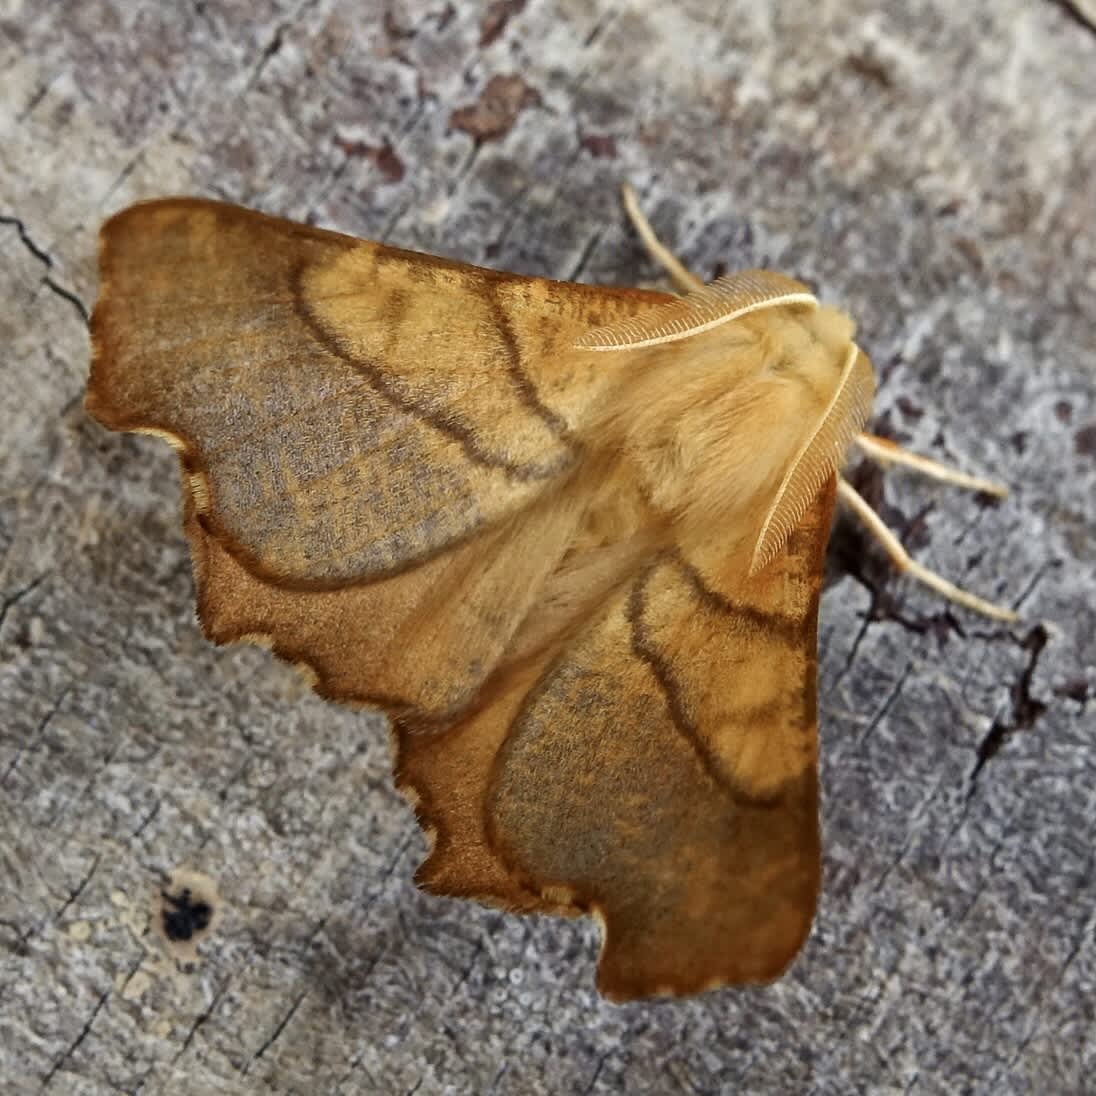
(776, 626)
(194, 469)
(787, 627)
(647, 653)
(402, 401)
(522, 382)
(197, 464)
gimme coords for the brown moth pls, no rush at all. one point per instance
(569, 538)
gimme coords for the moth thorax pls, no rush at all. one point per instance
(746, 422)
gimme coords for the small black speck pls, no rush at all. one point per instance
(184, 917)
(909, 409)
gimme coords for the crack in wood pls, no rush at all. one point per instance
(44, 257)
(26, 239)
(1082, 13)
(584, 257)
(74, 1046)
(75, 894)
(597, 1073)
(1026, 710)
(200, 1019)
(277, 1031)
(33, 738)
(13, 599)
(885, 707)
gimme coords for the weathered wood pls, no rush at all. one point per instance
(931, 166)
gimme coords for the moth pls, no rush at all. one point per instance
(569, 538)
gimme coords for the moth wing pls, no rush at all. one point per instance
(418, 644)
(656, 767)
(344, 409)
(342, 639)
(658, 772)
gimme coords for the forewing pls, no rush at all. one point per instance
(344, 409)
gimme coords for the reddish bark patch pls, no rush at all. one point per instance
(499, 13)
(601, 146)
(383, 157)
(1084, 441)
(493, 114)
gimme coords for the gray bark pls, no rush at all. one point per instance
(931, 166)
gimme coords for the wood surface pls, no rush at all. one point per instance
(927, 166)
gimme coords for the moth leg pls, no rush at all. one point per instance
(886, 453)
(905, 565)
(685, 281)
